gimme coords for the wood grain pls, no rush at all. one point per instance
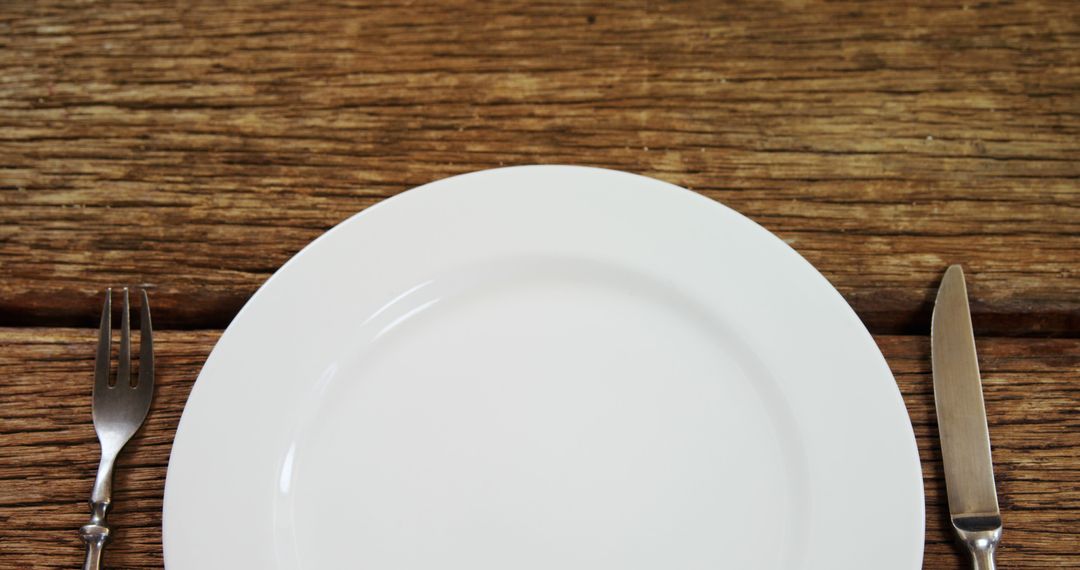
(48, 452)
(195, 146)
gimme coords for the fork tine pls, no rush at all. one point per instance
(123, 366)
(146, 345)
(104, 347)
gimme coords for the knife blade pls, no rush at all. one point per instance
(965, 439)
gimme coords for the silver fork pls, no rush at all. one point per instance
(119, 410)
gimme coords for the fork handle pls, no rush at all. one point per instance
(95, 534)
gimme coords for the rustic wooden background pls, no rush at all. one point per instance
(194, 147)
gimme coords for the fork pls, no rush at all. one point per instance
(119, 409)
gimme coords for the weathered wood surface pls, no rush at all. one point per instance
(48, 452)
(195, 146)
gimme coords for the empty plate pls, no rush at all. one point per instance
(545, 367)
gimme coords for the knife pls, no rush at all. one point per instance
(965, 441)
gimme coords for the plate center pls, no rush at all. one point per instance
(552, 414)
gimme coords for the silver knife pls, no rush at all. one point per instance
(965, 442)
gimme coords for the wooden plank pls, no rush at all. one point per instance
(48, 455)
(194, 147)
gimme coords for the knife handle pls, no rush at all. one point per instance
(982, 543)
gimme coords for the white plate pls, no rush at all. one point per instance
(545, 367)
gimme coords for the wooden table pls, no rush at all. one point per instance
(193, 147)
